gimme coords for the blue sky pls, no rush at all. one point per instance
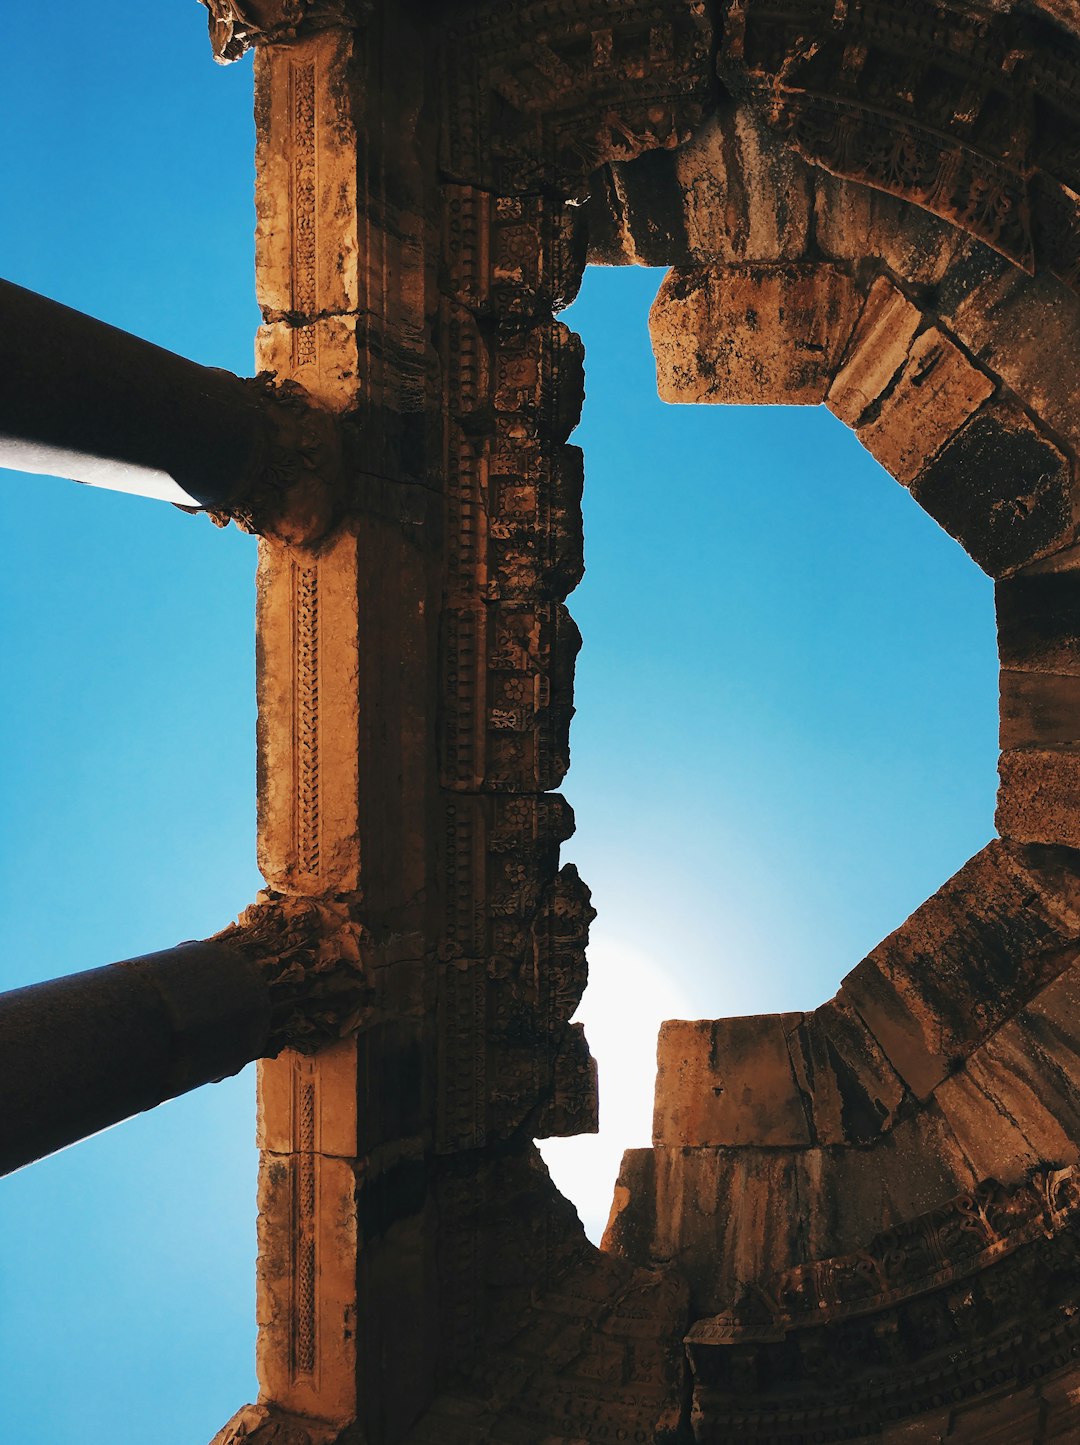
(785, 736)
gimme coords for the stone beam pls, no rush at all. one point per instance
(80, 1053)
(85, 400)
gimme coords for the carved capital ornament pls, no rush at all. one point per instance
(310, 956)
(235, 28)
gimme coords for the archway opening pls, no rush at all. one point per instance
(786, 732)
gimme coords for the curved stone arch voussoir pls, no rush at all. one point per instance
(951, 1055)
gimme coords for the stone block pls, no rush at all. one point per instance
(1001, 488)
(307, 251)
(306, 1284)
(1021, 327)
(858, 1193)
(1039, 797)
(1039, 710)
(904, 391)
(878, 349)
(728, 1081)
(1038, 618)
(850, 1088)
(984, 1128)
(751, 334)
(853, 222)
(723, 1217)
(323, 355)
(1006, 1420)
(308, 1102)
(961, 964)
(308, 689)
(745, 193)
(1033, 1084)
(926, 1430)
(1061, 1398)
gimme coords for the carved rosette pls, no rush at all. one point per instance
(309, 953)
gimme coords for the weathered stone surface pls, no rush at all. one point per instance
(1038, 796)
(267, 1425)
(962, 962)
(876, 353)
(731, 193)
(849, 1088)
(744, 197)
(905, 388)
(1040, 710)
(723, 1217)
(1038, 617)
(307, 1279)
(728, 1081)
(1002, 488)
(309, 831)
(853, 220)
(751, 334)
(1020, 327)
(338, 344)
(307, 247)
(283, 1105)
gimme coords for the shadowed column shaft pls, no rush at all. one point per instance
(82, 399)
(83, 1052)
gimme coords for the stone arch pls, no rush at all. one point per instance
(791, 1161)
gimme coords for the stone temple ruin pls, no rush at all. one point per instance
(861, 1223)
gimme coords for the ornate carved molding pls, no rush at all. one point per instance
(236, 27)
(977, 1292)
(310, 955)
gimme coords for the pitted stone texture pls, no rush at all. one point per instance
(1002, 488)
(1039, 796)
(904, 388)
(751, 334)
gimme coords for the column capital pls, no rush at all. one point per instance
(235, 27)
(295, 491)
(309, 953)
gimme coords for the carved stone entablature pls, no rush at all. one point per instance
(551, 90)
(509, 1060)
(310, 955)
(977, 1292)
(971, 115)
(296, 493)
(235, 27)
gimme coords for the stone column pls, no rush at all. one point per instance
(83, 1052)
(85, 400)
